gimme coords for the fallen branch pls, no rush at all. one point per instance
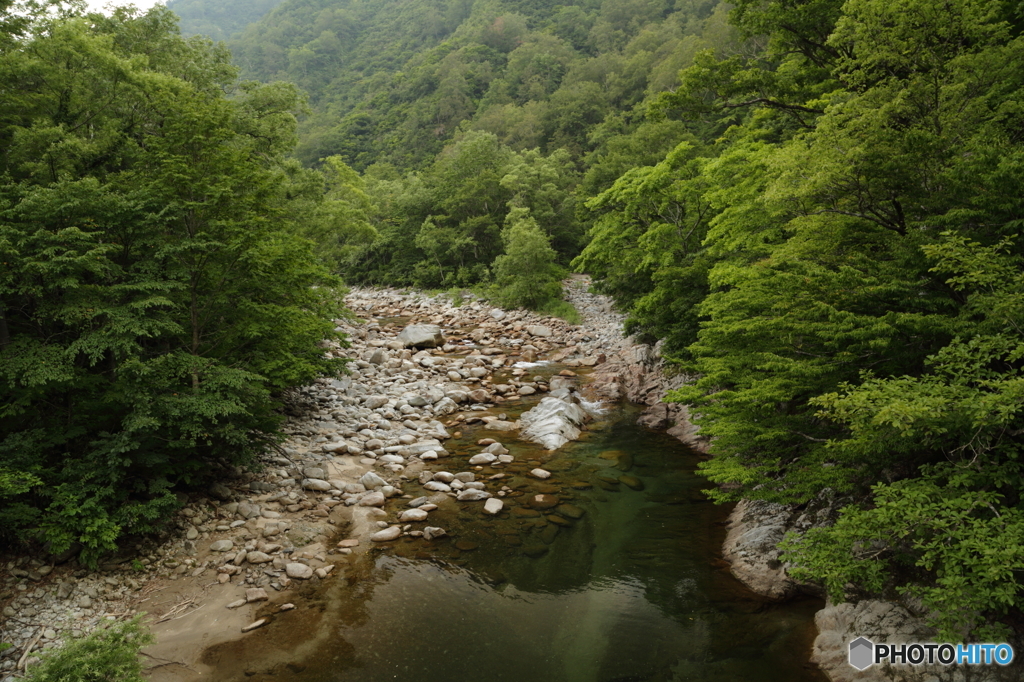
(24, 657)
(182, 606)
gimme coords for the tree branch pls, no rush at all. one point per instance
(774, 104)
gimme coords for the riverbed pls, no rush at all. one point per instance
(632, 590)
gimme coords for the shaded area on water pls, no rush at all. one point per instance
(631, 591)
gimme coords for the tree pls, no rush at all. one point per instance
(526, 274)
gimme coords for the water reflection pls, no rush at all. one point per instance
(626, 592)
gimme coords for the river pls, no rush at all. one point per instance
(633, 590)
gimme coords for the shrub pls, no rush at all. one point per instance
(107, 655)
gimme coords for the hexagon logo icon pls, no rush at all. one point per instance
(862, 653)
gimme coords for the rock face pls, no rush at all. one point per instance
(422, 336)
(554, 421)
(889, 623)
(755, 529)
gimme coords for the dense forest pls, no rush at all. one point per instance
(155, 293)
(814, 204)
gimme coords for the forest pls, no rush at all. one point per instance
(814, 205)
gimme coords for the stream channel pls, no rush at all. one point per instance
(634, 590)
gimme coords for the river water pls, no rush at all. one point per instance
(632, 591)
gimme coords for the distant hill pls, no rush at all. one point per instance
(218, 19)
(394, 81)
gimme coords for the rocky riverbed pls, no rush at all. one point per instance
(422, 367)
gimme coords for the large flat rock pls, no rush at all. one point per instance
(553, 422)
(422, 336)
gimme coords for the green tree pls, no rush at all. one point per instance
(526, 274)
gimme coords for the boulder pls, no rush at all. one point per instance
(423, 446)
(371, 480)
(220, 491)
(437, 486)
(374, 401)
(543, 501)
(445, 406)
(553, 422)
(421, 336)
(316, 484)
(751, 547)
(493, 505)
(253, 594)
(372, 499)
(431, 532)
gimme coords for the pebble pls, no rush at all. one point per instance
(387, 534)
(413, 515)
(493, 505)
(255, 594)
(298, 571)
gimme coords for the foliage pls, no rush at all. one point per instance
(396, 82)
(220, 20)
(646, 245)
(959, 521)
(156, 294)
(526, 275)
(109, 654)
(443, 227)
